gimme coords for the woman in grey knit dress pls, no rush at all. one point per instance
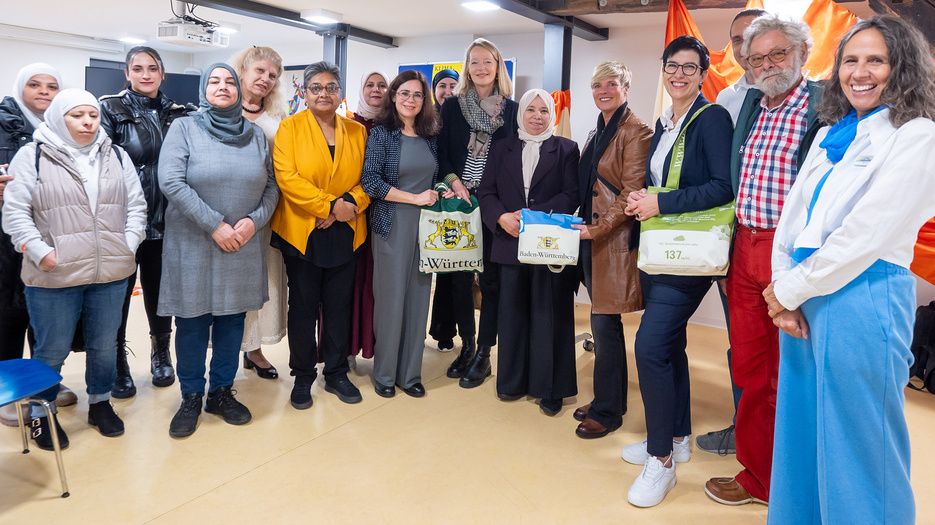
(400, 168)
(216, 171)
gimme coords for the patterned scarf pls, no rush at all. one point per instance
(484, 117)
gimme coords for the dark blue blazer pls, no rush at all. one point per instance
(705, 179)
(554, 187)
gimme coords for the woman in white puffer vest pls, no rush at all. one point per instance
(76, 210)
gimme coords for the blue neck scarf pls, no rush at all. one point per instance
(225, 125)
(842, 134)
(836, 142)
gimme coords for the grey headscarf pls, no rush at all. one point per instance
(226, 125)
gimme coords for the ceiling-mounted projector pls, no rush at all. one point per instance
(192, 35)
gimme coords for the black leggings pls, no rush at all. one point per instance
(149, 259)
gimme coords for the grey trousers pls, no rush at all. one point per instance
(401, 307)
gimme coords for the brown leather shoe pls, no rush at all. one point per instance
(728, 492)
(582, 412)
(590, 429)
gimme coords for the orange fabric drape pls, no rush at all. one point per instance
(923, 264)
(562, 101)
(829, 22)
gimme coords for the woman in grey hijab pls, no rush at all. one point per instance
(216, 171)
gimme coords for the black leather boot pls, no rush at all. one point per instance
(460, 364)
(123, 385)
(478, 370)
(161, 361)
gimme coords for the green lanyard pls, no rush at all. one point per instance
(678, 152)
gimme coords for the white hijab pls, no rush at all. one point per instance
(532, 143)
(363, 108)
(37, 68)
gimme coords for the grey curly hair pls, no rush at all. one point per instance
(796, 32)
(910, 89)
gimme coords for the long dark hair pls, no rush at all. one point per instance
(910, 88)
(427, 124)
(131, 54)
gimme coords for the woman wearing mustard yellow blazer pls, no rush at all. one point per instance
(319, 222)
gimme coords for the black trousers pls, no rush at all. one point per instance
(149, 259)
(536, 355)
(14, 327)
(610, 358)
(330, 290)
(661, 361)
(452, 317)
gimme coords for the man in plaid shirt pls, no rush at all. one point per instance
(775, 127)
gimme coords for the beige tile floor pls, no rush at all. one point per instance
(454, 456)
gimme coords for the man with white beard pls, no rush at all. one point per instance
(772, 134)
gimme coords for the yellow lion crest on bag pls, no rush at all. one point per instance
(547, 243)
(450, 232)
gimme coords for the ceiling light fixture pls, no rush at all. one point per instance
(480, 6)
(133, 39)
(322, 16)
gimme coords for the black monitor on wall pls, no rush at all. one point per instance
(100, 81)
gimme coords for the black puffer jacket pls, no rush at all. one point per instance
(15, 132)
(131, 123)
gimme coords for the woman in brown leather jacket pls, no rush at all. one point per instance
(612, 165)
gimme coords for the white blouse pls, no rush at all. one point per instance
(871, 207)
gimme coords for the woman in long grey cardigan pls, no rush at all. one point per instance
(216, 171)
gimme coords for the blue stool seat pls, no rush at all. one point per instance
(20, 380)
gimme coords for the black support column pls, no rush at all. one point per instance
(335, 51)
(556, 70)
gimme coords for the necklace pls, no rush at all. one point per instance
(254, 111)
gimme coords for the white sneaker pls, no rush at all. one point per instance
(652, 485)
(636, 453)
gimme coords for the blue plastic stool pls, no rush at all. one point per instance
(20, 379)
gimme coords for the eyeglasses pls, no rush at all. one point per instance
(332, 89)
(688, 69)
(406, 95)
(775, 56)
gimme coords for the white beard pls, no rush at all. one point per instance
(773, 84)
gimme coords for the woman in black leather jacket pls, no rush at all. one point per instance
(137, 119)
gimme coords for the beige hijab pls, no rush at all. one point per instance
(532, 143)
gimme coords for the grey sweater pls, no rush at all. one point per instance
(207, 182)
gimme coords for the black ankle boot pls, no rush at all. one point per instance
(478, 370)
(102, 416)
(460, 364)
(123, 385)
(41, 433)
(161, 361)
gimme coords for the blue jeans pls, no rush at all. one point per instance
(191, 350)
(54, 313)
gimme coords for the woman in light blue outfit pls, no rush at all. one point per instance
(842, 291)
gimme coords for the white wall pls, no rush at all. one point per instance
(70, 62)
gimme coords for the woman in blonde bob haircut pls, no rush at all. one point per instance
(612, 69)
(503, 83)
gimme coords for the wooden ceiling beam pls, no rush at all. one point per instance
(591, 7)
(920, 12)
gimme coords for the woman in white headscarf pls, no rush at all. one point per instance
(76, 209)
(372, 94)
(35, 87)
(538, 171)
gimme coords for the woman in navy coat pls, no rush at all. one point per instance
(671, 300)
(536, 171)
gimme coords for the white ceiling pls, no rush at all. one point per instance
(111, 19)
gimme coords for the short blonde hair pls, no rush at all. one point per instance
(612, 69)
(504, 85)
(272, 102)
